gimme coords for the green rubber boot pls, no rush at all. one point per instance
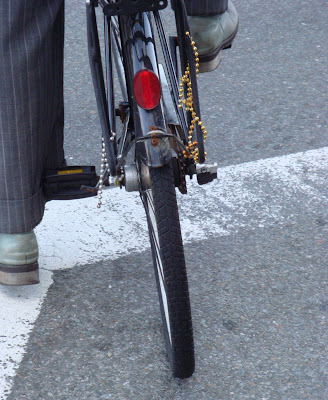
(213, 34)
(19, 255)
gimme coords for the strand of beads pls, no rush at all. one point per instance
(192, 151)
(102, 172)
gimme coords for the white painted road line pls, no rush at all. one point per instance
(76, 232)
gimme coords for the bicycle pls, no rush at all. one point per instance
(160, 127)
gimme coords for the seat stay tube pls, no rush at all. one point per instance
(109, 76)
(188, 58)
(139, 53)
(99, 85)
(173, 79)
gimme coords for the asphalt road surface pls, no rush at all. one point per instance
(256, 240)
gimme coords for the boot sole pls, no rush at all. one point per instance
(18, 275)
(209, 62)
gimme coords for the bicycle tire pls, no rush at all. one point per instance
(170, 270)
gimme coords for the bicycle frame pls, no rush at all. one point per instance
(138, 47)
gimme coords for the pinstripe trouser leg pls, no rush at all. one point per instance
(206, 7)
(31, 106)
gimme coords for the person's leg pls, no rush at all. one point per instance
(31, 116)
(213, 26)
(31, 106)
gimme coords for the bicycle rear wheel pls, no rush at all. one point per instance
(170, 269)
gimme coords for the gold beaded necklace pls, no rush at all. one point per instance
(193, 151)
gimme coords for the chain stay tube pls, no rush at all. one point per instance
(139, 53)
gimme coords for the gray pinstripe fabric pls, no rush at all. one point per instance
(206, 7)
(31, 106)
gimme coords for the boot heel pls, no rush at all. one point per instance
(19, 275)
(208, 65)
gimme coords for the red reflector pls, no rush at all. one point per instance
(146, 89)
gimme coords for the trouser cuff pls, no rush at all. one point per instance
(18, 216)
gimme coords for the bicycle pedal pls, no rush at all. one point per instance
(65, 183)
(206, 172)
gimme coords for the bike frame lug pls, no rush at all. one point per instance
(122, 111)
